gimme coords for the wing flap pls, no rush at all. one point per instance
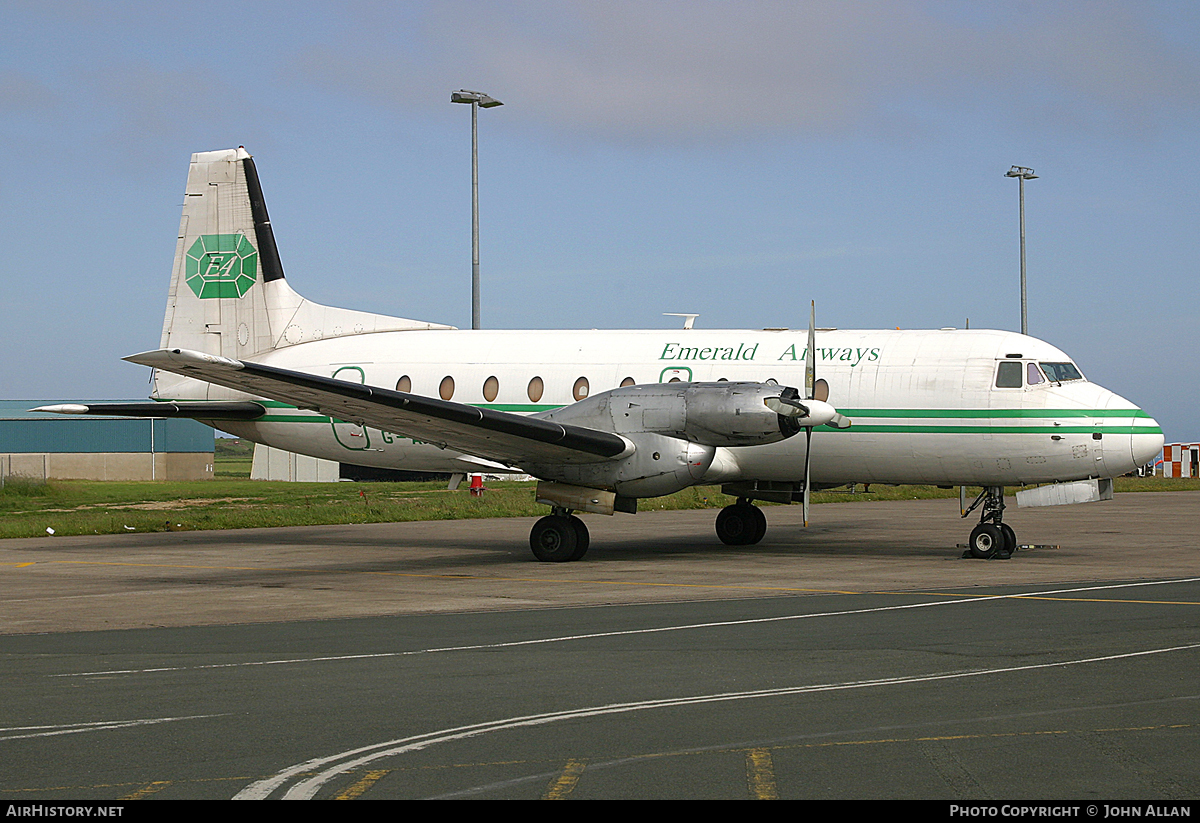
(494, 435)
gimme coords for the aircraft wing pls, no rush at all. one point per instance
(494, 435)
(197, 410)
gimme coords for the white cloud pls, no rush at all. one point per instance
(704, 71)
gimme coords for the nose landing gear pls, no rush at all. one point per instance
(992, 538)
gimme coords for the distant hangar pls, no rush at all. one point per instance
(70, 447)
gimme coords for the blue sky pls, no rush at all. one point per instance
(732, 159)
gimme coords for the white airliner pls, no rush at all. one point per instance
(603, 418)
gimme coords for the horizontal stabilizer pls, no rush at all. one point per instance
(241, 410)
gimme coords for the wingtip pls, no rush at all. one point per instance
(63, 408)
(180, 357)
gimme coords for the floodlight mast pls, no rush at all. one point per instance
(476, 99)
(1022, 174)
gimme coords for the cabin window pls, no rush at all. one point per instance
(628, 381)
(446, 390)
(404, 384)
(491, 388)
(1008, 375)
(1033, 375)
(580, 390)
(1060, 372)
(536, 387)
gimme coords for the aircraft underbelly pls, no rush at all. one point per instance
(348, 443)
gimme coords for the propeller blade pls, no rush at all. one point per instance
(810, 357)
(807, 462)
(791, 398)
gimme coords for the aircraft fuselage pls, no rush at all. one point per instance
(925, 405)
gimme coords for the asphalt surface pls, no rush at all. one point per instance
(859, 658)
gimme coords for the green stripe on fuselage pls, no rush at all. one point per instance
(905, 428)
(298, 416)
(992, 413)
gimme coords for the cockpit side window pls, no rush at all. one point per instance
(1008, 375)
(1032, 375)
(1061, 372)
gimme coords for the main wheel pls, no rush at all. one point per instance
(760, 526)
(555, 539)
(582, 539)
(741, 524)
(1010, 539)
(986, 540)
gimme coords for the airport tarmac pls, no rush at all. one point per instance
(253, 575)
(859, 658)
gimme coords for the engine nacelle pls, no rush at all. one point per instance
(711, 414)
(659, 465)
(675, 429)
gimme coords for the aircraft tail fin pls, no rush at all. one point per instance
(228, 294)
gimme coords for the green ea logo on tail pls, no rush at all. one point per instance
(221, 265)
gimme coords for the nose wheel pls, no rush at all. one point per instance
(992, 538)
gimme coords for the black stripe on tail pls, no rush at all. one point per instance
(268, 252)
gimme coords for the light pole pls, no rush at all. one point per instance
(1022, 174)
(476, 99)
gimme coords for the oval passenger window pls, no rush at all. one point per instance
(580, 389)
(535, 389)
(446, 390)
(491, 387)
(404, 384)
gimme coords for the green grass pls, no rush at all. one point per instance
(27, 508)
(86, 507)
(233, 458)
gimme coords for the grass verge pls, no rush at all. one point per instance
(28, 509)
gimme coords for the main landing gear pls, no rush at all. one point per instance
(742, 524)
(559, 537)
(992, 538)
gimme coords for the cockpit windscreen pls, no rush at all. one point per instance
(1061, 372)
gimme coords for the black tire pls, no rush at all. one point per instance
(986, 540)
(554, 539)
(760, 525)
(582, 538)
(1010, 539)
(741, 525)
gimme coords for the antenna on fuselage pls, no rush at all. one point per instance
(689, 319)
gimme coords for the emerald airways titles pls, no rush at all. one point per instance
(848, 354)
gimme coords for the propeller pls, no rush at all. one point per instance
(810, 389)
(813, 409)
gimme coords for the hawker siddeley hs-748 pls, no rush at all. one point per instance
(603, 418)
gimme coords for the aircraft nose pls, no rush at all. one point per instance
(1146, 445)
(1144, 435)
